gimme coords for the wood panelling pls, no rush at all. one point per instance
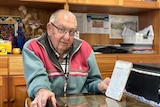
(15, 65)
(95, 2)
(94, 39)
(139, 58)
(106, 64)
(46, 1)
(4, 65)
(151, 18)
(140, 4)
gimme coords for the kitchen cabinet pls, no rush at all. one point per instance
(147, 11)
(123, 3)
(4, 81)
(17, 91)
(4, 101)
(140, 4)
(17, 84)
(3, 65)
(46, 1)
(12, 83)
(13, 91)
(112, 6)
(96, 2)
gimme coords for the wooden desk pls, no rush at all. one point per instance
(85, 100)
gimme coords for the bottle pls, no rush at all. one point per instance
(20, 39)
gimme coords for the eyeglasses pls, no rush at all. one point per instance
(64, 31)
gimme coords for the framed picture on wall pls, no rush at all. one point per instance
(118, 22)
(7, 30)
(9, 26)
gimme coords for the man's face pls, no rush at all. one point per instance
(61, 32)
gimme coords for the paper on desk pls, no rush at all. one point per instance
(146, 31)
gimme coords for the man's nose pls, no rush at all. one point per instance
(66, 34)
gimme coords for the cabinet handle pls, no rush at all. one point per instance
(11, 100)
(5, 101)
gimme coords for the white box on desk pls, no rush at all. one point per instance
(138, 39)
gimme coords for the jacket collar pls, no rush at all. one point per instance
(46, 43)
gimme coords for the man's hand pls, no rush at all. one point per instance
(41, 98)
(103, 85)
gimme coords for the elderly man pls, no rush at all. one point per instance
(57, 63)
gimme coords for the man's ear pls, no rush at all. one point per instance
(49, 29)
